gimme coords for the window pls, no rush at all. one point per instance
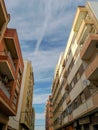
(19, 76)
(79, 100)
(82, 97)
(75, 103)
(69, 109)
(15, 97)
(81, 70)
(78, 76)
(87, 93)
(72, 84)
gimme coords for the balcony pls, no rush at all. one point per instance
(92, 69)
(4, 17)
(5, 98)
(10, 44)
(13, 46)
(85, 28)
(89, 46)
(80, 15)
(7, 65)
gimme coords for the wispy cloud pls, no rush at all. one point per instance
(40, 127)
(43, 63)
(40, 98)
(44, 27)
(40, 116)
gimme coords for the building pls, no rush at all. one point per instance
(14, 121)
(75, 84)
(49, 114)
(26, 109)
(11, 70)
(33, 119)
(4, 18)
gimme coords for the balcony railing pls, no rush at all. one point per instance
(4, 89)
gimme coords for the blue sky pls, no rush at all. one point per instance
(43, 28)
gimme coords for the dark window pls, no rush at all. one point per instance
(82, 97)
(87, 93)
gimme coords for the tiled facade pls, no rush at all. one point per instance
(75, 84)
(49, 114)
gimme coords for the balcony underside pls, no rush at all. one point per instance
(92, 70)
(89, 46)
(6, 70)
(94, 75)
(5, 108)
(11, 47)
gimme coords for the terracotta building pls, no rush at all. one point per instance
(11, 70)
(75, 84)
(49, 114)
(26, 118)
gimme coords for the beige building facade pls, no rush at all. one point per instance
(24, 120)
(14, 121)
(27, 100)
(75, 84)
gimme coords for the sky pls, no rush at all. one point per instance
(43, 28)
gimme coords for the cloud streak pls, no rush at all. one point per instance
(40, 116)
(44, 27)
(40, 98)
